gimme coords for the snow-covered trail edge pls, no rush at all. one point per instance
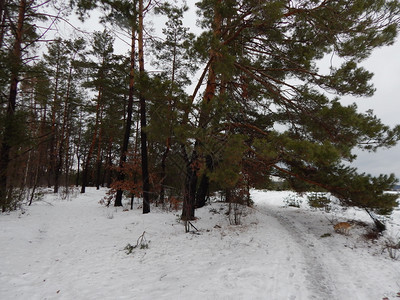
(74, 250)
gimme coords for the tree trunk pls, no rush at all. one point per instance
(191, 173)
(99, 153)
(98, 173)
(63, 136)
(108, 165)
(204, 185)
(128, 123)
(85, 171)
(209, 94)
(3, 21)
(53, 140)
(163, 170)
(78, 157)
(143, 134)
(189, 196)
(9, 122)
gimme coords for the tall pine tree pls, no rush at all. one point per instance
(263, 83)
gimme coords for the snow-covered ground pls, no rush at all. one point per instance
(74, 249)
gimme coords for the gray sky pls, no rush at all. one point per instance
(385, 64)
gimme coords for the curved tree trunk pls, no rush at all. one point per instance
(192, 168)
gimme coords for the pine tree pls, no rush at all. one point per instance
(18, 37)
(129, 15)
(264, 83)
(173, 56)
(102, 50)
(62, 64)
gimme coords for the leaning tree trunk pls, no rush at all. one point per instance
(209, 95)
(189, 201)
(10, 125)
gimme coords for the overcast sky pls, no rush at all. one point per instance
(385, 64)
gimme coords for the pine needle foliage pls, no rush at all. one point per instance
(264, 58)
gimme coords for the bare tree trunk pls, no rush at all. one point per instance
(204, 185)
(128, 123)
(189, 196)
(85, 171)
(163, 169)
(99, 152)
(98, 162)
(78, 157)
(62, 140)
(108, 165)
(143, 134)
(10, 123)
(34, 186)
(53, 140)
(67, 158)
(2, 21)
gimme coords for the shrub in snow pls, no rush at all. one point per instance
(293, 200)
(319, 201)
(141, 243)
(235, 213)
(129, 248)
(372, 234)
(392, 247)
(68, 192)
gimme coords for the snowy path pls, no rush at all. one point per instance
(309, 263)
(321, 265)
(74, 250)
(333, 269)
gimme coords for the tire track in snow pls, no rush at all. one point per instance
(320, 282)
(329, 271)
(319, 279)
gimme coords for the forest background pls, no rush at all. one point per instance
(74, 112)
